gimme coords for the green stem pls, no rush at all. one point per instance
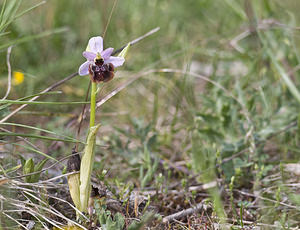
(87, 161)
(93, 104)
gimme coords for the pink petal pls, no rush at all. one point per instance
(106, 53)
(84, 68)
(116, 61)
(96, 44)
(89, 55)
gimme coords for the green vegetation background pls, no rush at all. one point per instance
(172, 117)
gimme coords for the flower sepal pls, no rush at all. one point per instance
(124, 51)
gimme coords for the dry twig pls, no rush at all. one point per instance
(185, 213)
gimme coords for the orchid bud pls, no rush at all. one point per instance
(124, 52)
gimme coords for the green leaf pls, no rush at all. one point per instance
(29, 97)
(147, 217)
(74, 185)
(42, 130)
(5, 134)
(37, 168)
(151, 167)
(281, 71)
(36, 151)
(86, 167)
(14, 168)
(42, 102)
(28, 168)
(102, 217)
(298, 124)
(119, 218)
(236, 8)
(31, 37)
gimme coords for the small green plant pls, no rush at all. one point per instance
(231, 187)
(149, 166)
(106, 221)
(146, 218)
(33, 169)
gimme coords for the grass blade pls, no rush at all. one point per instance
(31, 37)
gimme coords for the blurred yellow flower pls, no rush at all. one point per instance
(18, 78)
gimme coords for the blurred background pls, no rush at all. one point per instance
(237, 125)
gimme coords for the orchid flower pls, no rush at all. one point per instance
(95, 52)
(100, 66)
